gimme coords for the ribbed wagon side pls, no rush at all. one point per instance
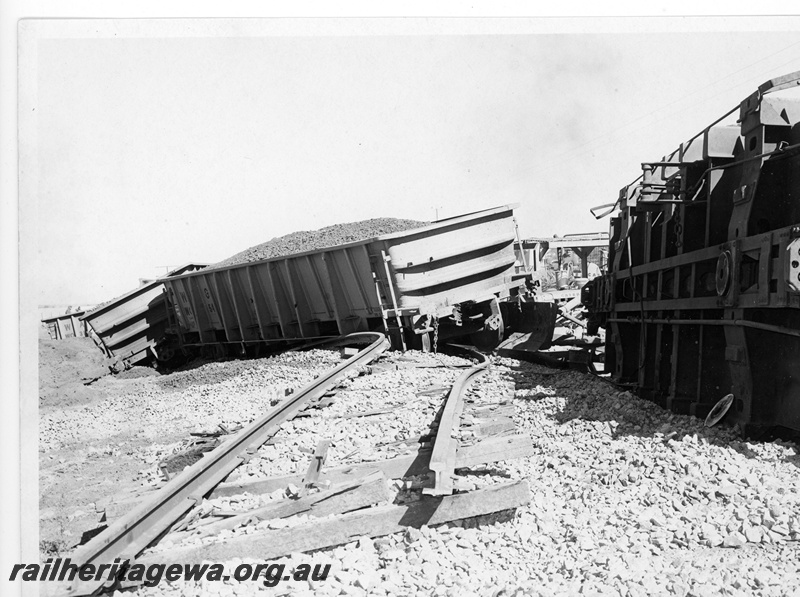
(129, 328)
(311, 295)
(403, 282)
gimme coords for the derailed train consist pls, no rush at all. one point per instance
(453, 278)
(702, 298)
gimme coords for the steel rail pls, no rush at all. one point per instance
(443, 457)
(132, 533)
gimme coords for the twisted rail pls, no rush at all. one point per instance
(132, 533)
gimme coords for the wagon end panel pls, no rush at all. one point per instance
(469, 258)
(130, 327)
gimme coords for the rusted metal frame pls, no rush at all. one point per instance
(443, 457)
(220, 307)
(132, 533)
(235, 306)
(249, 275)
(385, 258)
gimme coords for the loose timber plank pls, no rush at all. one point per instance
(358, 493)
(485, 451)
(489, 450)
(374, 522)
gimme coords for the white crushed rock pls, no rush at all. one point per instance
(626, 499)
(160, 411)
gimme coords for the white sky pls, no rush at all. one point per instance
(156, 151)
(145, 152)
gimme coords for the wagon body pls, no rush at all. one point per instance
(393, 281)
(68, 325)
(128, 328)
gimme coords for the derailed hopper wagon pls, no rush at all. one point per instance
(455, 277)
(703, 294)
(129, 328)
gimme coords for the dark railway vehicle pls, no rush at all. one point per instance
(702, 298)
(453, 278)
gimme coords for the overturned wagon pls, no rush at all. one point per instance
(455, 277)
(128, 328)
(702, 298)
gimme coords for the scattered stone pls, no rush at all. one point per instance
(734, 540)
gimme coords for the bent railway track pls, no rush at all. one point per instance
(131, 534)
(443, 458)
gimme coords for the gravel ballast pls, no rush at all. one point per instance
(626, 499)
(330, 236)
